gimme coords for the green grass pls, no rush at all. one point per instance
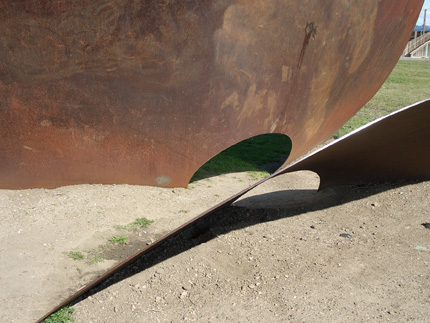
(94, 260)
(75, 255)
(92, 256)
(408, 83)
(61, 316)
(249, 155)
(119, 239)
(257, 175)
(137, 224)
(142, 222)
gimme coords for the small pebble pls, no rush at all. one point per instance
(345, 235)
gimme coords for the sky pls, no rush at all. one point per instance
(421, 18)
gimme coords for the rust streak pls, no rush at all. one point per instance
(310, 32)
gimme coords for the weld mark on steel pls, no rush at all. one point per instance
(310, 31)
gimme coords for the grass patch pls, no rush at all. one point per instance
(75, 255)
(407, 84)
(137, 224)
(251, 155)
(119, 239)
(183, 211)
(61, 316)
(257, 175)
(94, 260)
(142, 222)
(91, 258)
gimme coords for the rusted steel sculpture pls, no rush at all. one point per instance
(393, 147)
(144, 92)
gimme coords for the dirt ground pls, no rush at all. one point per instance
(275, 255)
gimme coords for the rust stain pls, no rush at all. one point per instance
(310, 32)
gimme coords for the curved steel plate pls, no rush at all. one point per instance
(145, 92)
(394, 147)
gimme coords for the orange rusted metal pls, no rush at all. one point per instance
(395, 147)
(144, 92)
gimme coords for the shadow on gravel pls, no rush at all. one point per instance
(246, 212)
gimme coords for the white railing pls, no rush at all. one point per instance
(415, 43)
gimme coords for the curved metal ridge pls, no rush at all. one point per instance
(393, 147)
(336, 164)
(145, 93)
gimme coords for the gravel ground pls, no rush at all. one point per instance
(277, 254)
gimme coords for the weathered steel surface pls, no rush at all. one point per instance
(144, 92)
(395, 147)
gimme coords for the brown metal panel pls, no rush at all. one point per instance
(392, 148)
(144, 92)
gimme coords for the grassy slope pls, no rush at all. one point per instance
(249, 155)
(408, 83)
